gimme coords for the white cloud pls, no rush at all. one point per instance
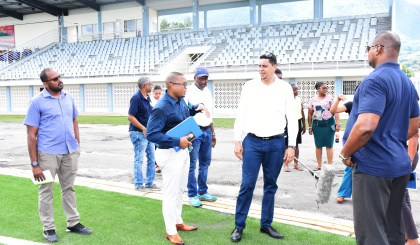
(413, 2)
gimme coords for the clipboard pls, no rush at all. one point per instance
(184, 128)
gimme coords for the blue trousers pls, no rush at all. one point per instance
(257, 152)
(142, 145)
(346, 184)
(202, 152)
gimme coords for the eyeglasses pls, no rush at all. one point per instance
(203, 78)
(183, 84)
(369, 47)
(55, 79)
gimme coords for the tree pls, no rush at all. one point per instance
(407, 71)
(188, 22)
(164, 25)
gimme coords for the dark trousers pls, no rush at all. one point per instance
(257, 152)
(377, 203)
(409, 225)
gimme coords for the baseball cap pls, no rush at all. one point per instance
(201, 72)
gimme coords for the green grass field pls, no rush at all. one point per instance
(122, 120)
(123, 219)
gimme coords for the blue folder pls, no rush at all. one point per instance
(412, 184)
(182, 129)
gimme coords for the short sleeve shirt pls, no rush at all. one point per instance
(54, 119)
(321, 108)
(140, 108)
(349, 106)
(389, 93)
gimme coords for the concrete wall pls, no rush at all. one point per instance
(33, 26)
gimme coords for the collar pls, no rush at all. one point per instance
(276, 80)
(45, 93)
(141, 96)
(170, 99)
(389, 64)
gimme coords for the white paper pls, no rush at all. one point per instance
(48, 178)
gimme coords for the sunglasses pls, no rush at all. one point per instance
(183, 84)
(369, 47)
(268, 54)
(55, 79)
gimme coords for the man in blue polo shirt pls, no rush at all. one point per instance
(53, 144)
(384, 116)
(138, 115)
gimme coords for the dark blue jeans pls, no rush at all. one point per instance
(201, 152)
(270, 154)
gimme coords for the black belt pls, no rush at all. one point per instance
(204, 128)
(268, 138)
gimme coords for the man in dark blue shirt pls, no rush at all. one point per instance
(169, 111)
(384, 116)
(138, 115)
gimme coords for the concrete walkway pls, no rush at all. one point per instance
(287, 216)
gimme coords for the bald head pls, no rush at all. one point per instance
(172, 78)
(390, 40)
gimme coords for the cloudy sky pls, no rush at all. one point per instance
(292, 11)
(407, 19)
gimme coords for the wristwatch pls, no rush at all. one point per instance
(343, 159)
(34, 164)
(292, 146)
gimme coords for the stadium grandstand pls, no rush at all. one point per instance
(102, 47)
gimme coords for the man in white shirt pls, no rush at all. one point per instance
(261, 119)
(198, 93)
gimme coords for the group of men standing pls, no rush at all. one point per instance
(385, 114)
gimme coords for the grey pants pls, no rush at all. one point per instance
(65, 166)
(409, 225)
(377, 204)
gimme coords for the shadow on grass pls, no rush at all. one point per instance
(123, 219)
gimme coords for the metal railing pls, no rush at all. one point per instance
(246, 67)
(10, 56)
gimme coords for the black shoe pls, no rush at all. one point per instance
(79, 229)
(50, 236)
(236, 235)
(272, 232)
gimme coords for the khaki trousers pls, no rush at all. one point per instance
(65, 166)
(174, 167)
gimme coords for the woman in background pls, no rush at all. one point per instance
(321, 123)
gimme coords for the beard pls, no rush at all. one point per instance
(58, 89)
(372, 65)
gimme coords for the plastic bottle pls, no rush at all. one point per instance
(337, 137)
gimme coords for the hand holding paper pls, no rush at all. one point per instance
(38, 174)
(204, 109)
(47, 178)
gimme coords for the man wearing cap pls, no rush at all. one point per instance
(198, 93)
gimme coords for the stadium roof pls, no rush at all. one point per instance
(18, 8)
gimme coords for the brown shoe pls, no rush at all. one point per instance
(184, 227)
(175, 239)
